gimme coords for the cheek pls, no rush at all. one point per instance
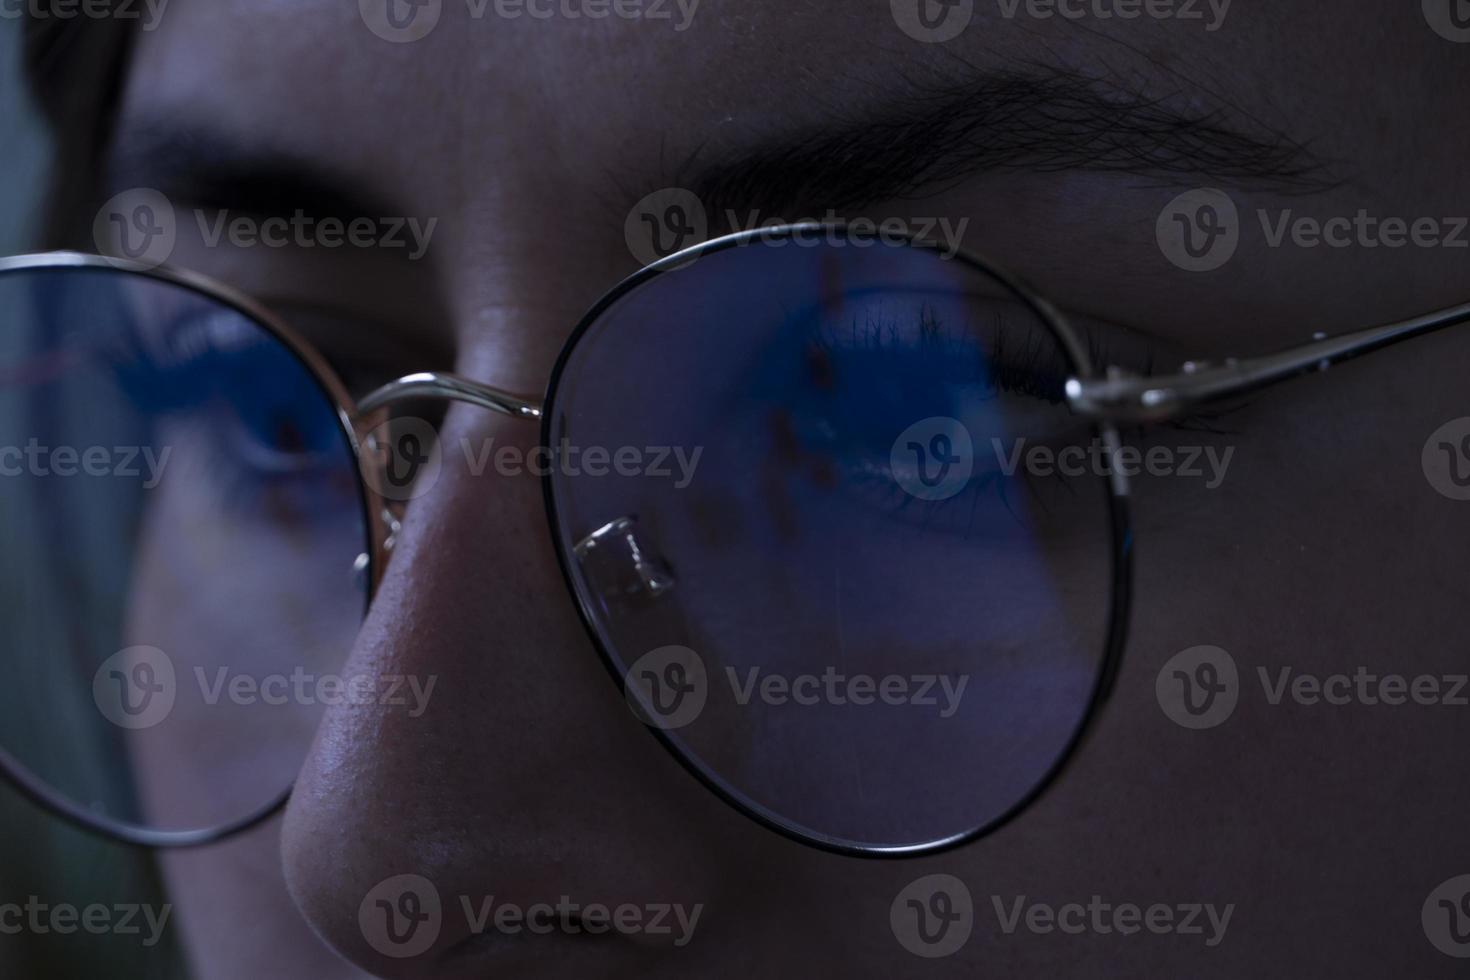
(256, 655)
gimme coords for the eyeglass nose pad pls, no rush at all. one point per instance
(609, 554)
(392, 518)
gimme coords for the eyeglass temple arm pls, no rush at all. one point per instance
(435, 384)
(1123, 397)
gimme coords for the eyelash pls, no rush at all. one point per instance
(1007, 358)
(172, 381)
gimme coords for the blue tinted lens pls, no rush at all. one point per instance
(180, 513)
(850, 586)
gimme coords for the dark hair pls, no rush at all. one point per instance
(76, 69)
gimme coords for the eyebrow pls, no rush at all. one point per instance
(934, 137)
(200, 166)
(1037, 120)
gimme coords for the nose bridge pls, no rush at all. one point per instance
(444, 605)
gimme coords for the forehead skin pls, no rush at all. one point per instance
(530, 140)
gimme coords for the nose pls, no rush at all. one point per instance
(508, 766)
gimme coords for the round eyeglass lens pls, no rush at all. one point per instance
(835, 528)
(181, 516)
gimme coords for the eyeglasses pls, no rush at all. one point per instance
(774, 470)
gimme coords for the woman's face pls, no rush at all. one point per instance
(516, 145)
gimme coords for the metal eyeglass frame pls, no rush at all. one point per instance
(1108, 398)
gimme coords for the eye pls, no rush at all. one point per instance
(277, 429)
(851, 387)
(243, 405)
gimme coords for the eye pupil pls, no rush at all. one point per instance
(288, 435)
(820, 368)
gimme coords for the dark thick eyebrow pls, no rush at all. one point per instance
(934, 136)
(1034, 120)
(199, 166)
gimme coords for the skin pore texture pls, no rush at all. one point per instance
(528, 779)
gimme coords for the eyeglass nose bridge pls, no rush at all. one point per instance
(653, 577)
(449, 387)
(425, 385)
